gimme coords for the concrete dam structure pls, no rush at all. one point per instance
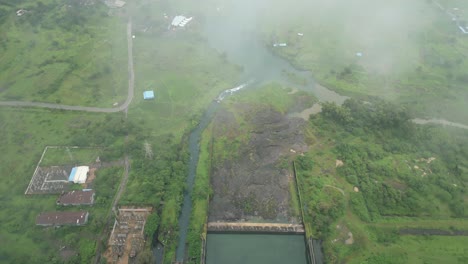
(256, 227)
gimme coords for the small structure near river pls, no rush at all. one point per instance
(127, 238)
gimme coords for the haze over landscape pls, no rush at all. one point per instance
(222, 131)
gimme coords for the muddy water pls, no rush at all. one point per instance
(255, 249)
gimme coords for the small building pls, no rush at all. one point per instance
(114, 3)
(148, 95)
(79, 174)
(280, 45)
(62, 218)
(21, 12)
(180, 21)
(84, 197)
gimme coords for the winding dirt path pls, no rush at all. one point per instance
(122, 107)
(123, 184)
(336, 188)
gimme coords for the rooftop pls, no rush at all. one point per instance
(79, 174)
(62, 218)
(181, 21)
(148, 95)
(77, 198)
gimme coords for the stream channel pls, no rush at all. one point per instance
(234, 34)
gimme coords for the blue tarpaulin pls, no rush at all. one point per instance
(72, 174)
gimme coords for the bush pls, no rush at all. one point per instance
(358, 206)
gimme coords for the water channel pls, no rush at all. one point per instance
(239, 41)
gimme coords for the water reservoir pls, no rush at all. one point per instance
(255, 249)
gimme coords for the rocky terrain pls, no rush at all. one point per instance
(251, 173)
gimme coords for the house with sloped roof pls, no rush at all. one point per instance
(62, 218)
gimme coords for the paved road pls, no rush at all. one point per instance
(122, 107)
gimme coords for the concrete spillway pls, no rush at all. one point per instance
(256, 227)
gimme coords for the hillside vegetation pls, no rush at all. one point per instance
(62, 52)
(395, 176)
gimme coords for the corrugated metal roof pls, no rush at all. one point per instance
(62, 218)
(177, 20)
(77, 198)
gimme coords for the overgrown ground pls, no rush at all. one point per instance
(62, 52)
(65, 155)
(409, 52)
(406, 177)
(252, 140)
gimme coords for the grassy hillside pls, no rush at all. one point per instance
(62, 52)
(393, 176)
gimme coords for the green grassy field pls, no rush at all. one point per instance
(64, 155)
(63, 53)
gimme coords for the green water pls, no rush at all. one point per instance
(255, 249)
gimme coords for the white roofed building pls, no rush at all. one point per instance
(180, 21)
(79, 174)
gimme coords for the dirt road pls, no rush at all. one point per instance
(122, 107)
(123, 184)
